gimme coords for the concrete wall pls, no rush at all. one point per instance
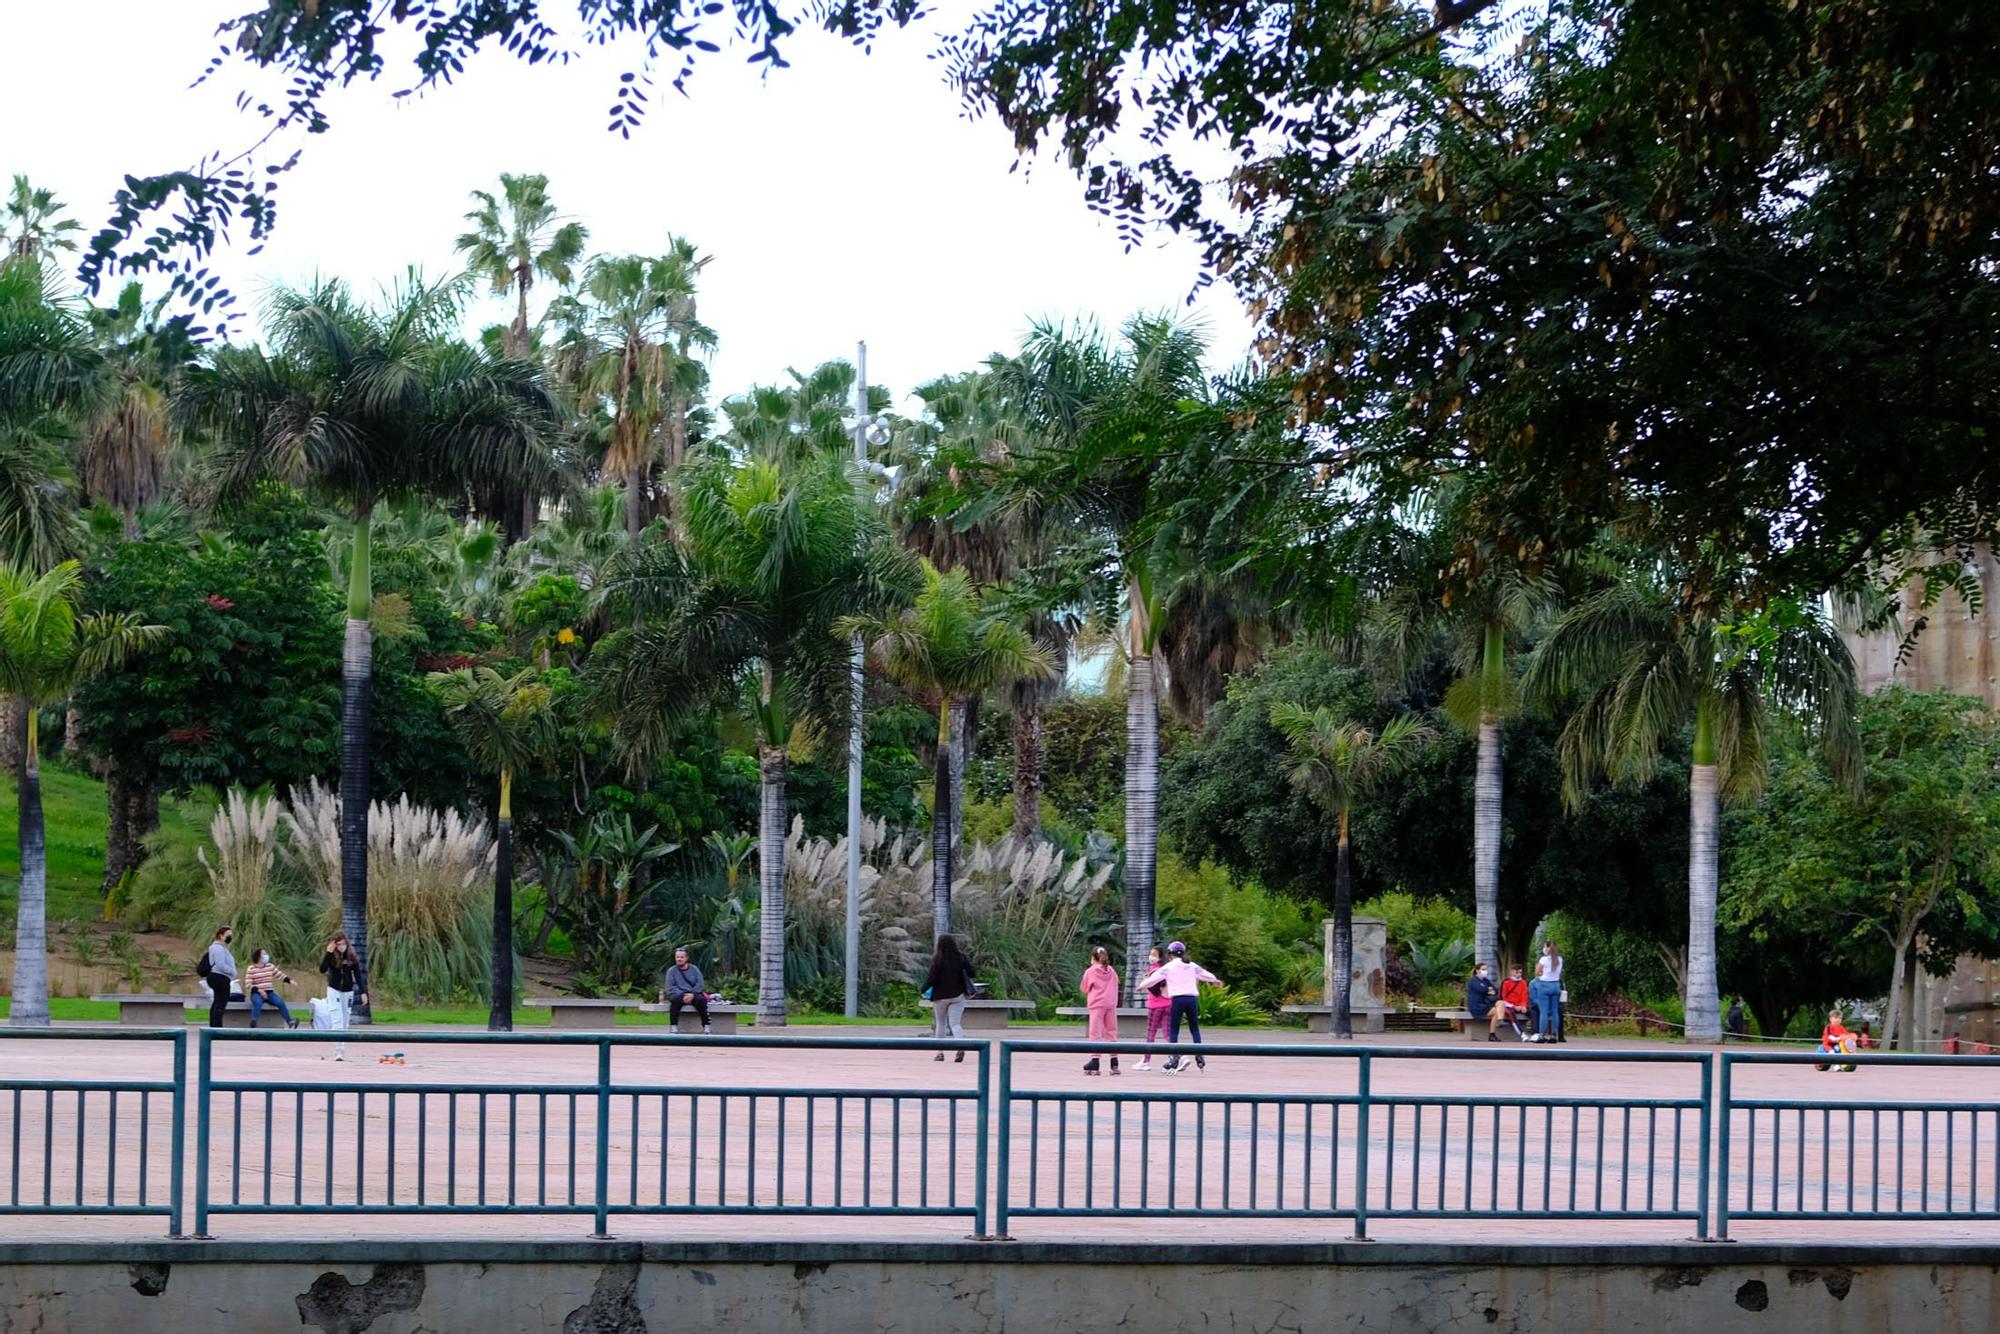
(622, 1288)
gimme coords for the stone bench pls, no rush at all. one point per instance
(721, 1016)
(989, 1016)
(140, 1010)
(581, 1011)
(1131, 1019)
(1319, 1018)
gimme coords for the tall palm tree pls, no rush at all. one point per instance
(800, 419)
(950, 647)
(1105, 416)
(517, 237)
(125, 457)
(503, 722)
(1338, 763)
(773, 556)
(971, 422)
(365, 405)
(46, 650)
(1641, 669)
(32, 224)
(633, 342)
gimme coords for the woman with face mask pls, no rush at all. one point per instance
(261, 983)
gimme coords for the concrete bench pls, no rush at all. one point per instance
(989, 1016)
(580, 1011)
(721, 1016)
(1319, 1018)
(1131, 1020)
(160, 1011)
(1461, 1021)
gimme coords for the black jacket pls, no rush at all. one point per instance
(342, 975)
(945, 983)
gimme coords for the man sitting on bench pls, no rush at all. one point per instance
(684, 986)
(1513, 1006)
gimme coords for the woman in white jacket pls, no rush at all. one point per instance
(1183, 980)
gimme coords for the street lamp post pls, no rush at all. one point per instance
(867, 430)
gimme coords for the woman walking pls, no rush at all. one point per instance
(1545, 993)
(260, 981)
(345, 979)
(1100, 1003)
(1158, 1003)
(1183, 980)
(947, 985)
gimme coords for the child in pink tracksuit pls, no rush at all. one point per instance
(1158, 1003)
(1100, 1003)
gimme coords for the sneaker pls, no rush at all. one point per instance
(1145, 1063)
(940, 1056)
(1492, 1037)
(293, 1024)
(706, 1029)
(1534, 1037)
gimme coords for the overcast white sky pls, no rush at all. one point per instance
(842, 198)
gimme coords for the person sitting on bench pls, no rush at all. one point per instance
(1514, 1001)
(1482, 1001)
(684, 986)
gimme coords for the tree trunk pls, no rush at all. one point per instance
(31, 937)
(964, 740)
(1703, 1008)
(517, 333)
(1142, 815)
(771, 882)
(1028, 767)
(635, 504)
(357, 662)
(1341, 981)
(941, 823)
(72, 733)
(500, 1013)
(13, 727)
(1486, 847)
(118, 839)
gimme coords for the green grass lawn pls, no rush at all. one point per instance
(74, 816)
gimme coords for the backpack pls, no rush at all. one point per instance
(201, 965)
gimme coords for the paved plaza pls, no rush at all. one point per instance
(1500, 1134)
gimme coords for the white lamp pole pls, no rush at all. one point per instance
(853, 1007)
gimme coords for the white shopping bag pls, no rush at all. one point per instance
(328, 1013)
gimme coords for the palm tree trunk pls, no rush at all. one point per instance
(1704, 1005)
(1142, 812)
(941, 822)
(965, 732)
(118, 827)
(517, 333)
(31, 937)
(635, 504)
(1341, 982)
(357, 663)
(1486, 846)
(771, 883)
(13, 727)
(500, 1014)
(1028, 767)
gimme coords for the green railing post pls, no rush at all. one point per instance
(201, 1134)
(603, 1139)
(1004, 1147)
(176, 1170)
(1722, 1154)
(979, 1161)
(1706, 1121)
(1362, 1132)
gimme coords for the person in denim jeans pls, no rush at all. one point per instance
(1546, 993)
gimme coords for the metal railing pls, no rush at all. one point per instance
(602, 1141)
(1839, 1156)
(1339, 1143)
(80, 1167)
(667, 1124)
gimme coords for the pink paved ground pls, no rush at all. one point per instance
(798, 1120)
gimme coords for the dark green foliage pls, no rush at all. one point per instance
(244, 689)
